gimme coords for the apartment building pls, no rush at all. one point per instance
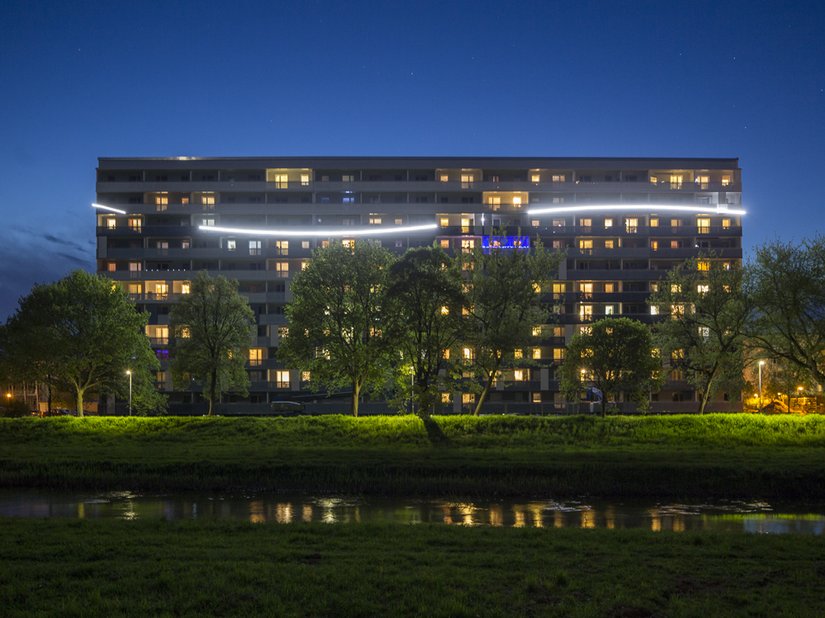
(623, 222)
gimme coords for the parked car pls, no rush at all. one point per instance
(286, 408)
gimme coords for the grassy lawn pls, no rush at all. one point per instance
(710, 456)
(107, 568)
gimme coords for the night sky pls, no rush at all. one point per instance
(87, 79)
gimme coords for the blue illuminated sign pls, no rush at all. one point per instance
(505, 242)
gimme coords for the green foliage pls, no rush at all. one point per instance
(424, 302)
(703, 330)
(787, 284)
(212, 328)
(81, 333)
(505, 304)
(617, 358)
(337, 319)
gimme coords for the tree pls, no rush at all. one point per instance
(425, 299)
(82, 333)
(787, 284)
(504, 304)
(616, 356)
(212, 328)
(337, 319)
(706, 313)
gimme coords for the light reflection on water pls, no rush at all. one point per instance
(756, 517)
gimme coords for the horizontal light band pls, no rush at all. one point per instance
(712, 210)
(109, 208)
(304, 232)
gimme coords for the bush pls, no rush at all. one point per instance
(14, 409)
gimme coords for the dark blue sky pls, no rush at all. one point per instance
(87, 79)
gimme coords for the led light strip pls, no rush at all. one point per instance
(109, 208)
(711, 210)
(316, 232)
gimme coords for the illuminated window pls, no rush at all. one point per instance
(281, 379)
(111, 223)
(558, 354)
(282, 247)
(135, 267)
(654, 245)
(726, 265)
(444, 243)
(675, 222)
(306, 376)
(703, 265)
(725, 224)
(208, 199)
(677, 310)
(161, 201)
(446, 354)
(256, 357)
(725, 180)
(349, 243)
(282, 269)
(231, 245)
(654, 310)
(702, 288)
(208, 221)
(559, 222)
(467, 398)
(702, 182)
(304, 244)
(586, 245)
(517, 201)
(185, 287)
(518, 375)
(536, 353)
(609, 309)
(609, 288)
(557, 178)
(468, 354)
(444, 222)
(675, 288)
(585, 312)
(494, 201)
(374, 220)
(654, 180)
(704, 332)
(467, 180)
(465, 225)
(676, 181)
(281, 181)
(586, 290)
(609, 244)
(631, 225)
(535, 177)
(703, 225)
(283, 331)
(586, 222)
(111, 266)
(518, 353)
(537, 331)
(184, 200)
(254, 247)
(135, 223)
(347, 178)
(674, 244)
(446, 397)
(399, 221)
(535, 397)
(654, 221)
(535, 222)
(467, 245)
(304, 180)
(608, 222)
(444, 177)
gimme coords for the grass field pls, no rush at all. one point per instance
(108, 568)
(646, 456)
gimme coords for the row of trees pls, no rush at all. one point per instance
(717, 319)
(362, 318)
(365, 320)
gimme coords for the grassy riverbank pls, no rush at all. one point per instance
(106, 568)
(710, 456)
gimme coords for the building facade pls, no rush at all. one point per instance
(623, 222)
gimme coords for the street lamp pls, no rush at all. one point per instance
(798, 397)
(129, 373)
(761, 363)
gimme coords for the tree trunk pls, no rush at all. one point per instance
(49, 400)
(213, 384)
(604, 404)
(79, 393)
(356, 396)
(483, 396)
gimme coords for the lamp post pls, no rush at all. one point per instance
(761, 363)
(798, 397)
(129, 373)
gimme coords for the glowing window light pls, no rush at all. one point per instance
(318, 232)
(109, 209)
(720, 208)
